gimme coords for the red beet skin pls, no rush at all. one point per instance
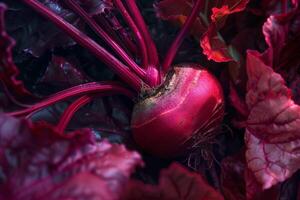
(181, 115)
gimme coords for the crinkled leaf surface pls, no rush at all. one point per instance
(274, 117)
(175, 182)
(281, 32)
(35, 35)
(238, 182)
(278, 30)
(275, 35)
(272, 163)
(8, 69)
(39, 163)
(62, 74)
(254, 190)
(272, 132)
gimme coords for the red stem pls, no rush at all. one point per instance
(180, 37)
(117, 31)
(136, 22)
(129, 77)
(139, 20)
(102, 34)
(71, 110)
(137, 34)
(104, 88)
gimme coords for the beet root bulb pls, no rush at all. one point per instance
(181, 115)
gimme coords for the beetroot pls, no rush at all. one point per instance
(183, 113)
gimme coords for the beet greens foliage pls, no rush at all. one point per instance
(71, 72)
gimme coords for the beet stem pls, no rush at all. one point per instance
(124, 72)
(71, 110)
(117, 31)
(139, 20)
(102, 34)
(180, 37)
(153, 68)
(99, 88)
(136, 32)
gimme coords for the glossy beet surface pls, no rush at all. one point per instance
(181, 115)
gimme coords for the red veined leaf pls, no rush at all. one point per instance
(37, 162)
(278, 30)
(275, 32)
(272, 132)
(281, 32)
(254, 190)
(267, 92)
(272, 163)
(175, 182)
(281, 35)
(238, 182)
